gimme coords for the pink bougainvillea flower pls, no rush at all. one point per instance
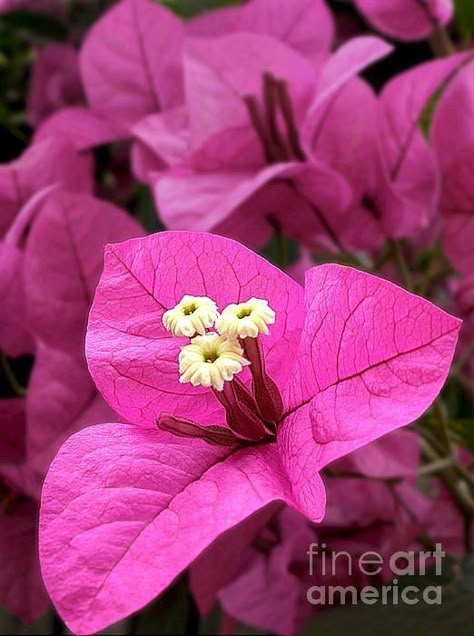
(213, 439)
(63, 261)
(406, 19)
(46, 165)
(246, 156)
(55, 82)
(305, 25)
(377, 144)
(61, 236)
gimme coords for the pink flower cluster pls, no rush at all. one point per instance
(190, 404)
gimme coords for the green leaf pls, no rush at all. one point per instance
(189, 8)
(465, 16)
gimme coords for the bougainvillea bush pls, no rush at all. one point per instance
(237, 314)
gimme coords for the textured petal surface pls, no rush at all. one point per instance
(134, 360)
(127, 82)
(63, 262)
(406, 19)
(21, 587)
(374, 355)
(153, 493)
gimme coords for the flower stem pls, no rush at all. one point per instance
(401, 264)
(440, 42)
(460, 492)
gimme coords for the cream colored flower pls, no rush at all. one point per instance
(191, 316)
(211, 360)
(246, 320)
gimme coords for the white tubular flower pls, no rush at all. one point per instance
(246, 320)
(211, 360)
(191, 316)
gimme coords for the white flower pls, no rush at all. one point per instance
(211, 360)
(191, 316)
(246, 320)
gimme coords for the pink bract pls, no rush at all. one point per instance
(126, 83)
(305, 25)
(23, 178)
(55, 82)
(230, 176)
(354, 356)
(406, 19)
(65, 253)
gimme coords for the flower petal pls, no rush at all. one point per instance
(305, 25)
(64, 253)
(130, 61)
(406, 19)
(125, 510)
(373, 355)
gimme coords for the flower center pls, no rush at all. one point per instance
(189, 309)
(213, 359)
(278, 145)
(244, 312)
